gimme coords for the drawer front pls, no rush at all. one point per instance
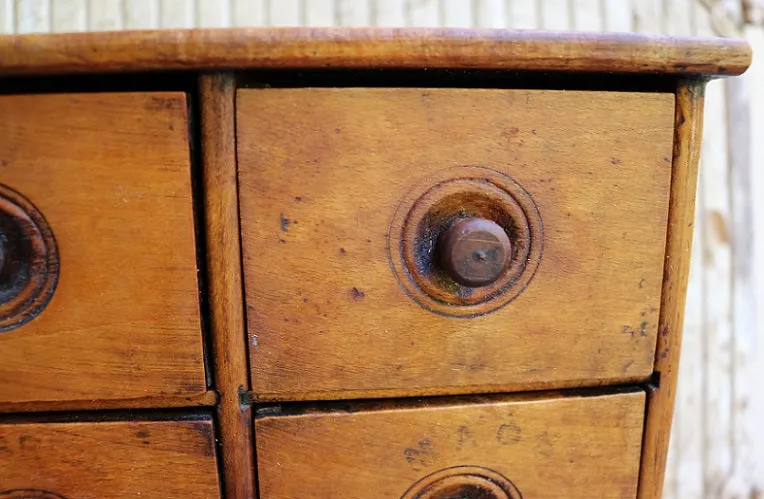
(96, 208)
(339, 189)
(539, 447)
(108, 459)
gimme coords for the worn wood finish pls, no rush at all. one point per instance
(547, 446)
(682, 474)
(202, 399)
(110, 173)
(370, 48)
(117, 459)
(319, 189)
(660, 405)
(221, 210)
(718, 418)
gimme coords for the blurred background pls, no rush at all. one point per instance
(717, 446)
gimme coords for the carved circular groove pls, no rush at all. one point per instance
(29, 262)
(418, 240)
(463, 482)
(28, 494)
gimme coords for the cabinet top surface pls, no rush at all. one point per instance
(364, 48)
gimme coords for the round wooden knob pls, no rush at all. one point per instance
(475, 251)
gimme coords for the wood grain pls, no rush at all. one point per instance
(116, 459)
(110, 172)
(370, 48)
(660, 406)
(548, 446)
(682, 472)
(202, 399)
(321, 174)
(221, 210)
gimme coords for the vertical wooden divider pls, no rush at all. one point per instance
(221, 211)
(684, 177)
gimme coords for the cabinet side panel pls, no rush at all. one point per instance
(660, 407)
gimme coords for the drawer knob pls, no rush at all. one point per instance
(475, 251)
(465, 241)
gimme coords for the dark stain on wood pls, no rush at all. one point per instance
(29, 442)
(421, 456)
(464, 436)
(509, 434)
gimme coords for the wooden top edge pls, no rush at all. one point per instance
(271, 48)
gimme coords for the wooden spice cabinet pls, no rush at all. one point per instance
(349, 263)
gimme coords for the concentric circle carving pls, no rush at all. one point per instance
(463, 482)
(29, 494)
(434, 205)
(29, 261)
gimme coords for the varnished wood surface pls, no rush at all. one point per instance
(203, 399)
(549, 446)
(660, 406)
(221, 212)
(322, 172)
(111, 174)
(370, 48)
(112, 460)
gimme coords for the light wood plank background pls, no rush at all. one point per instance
(717, 448)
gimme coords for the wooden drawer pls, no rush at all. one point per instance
(101, 185)
(344, 190)
(117, 459)
(547, 446)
